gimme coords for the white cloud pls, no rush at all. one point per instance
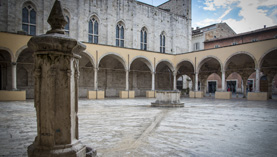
(252, 17)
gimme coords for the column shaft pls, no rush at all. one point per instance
(95, 79)
(127, 80)
(223, 82)
(257, 80)
(174, 81)
(14, 86)
(153, 81)
(196, 82)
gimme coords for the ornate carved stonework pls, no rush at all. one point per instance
(56, 73)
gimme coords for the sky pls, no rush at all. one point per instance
(240, 15)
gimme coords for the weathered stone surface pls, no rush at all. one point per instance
(167, 99)
(56, 72)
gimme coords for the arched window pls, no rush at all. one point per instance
(29, 19)
(66, 28)
(119, 35)
(93, 31)
(162, 43)
(143, 39)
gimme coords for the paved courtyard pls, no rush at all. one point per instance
(115, 127)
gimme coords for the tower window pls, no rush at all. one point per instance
(66, 28)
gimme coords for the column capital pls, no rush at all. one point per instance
(13, 63)
(127, 71)
(153, 72)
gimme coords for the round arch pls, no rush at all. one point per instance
(19, 51)
(238, 53)
(116, 56)
(203, 60)
(179, 64)
(144, 60)
(261, 60)
(90, 57)
(10, 52)
(167, 62)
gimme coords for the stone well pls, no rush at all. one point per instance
(167, 99)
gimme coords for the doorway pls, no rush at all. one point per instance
(212, 86)
(232, 86)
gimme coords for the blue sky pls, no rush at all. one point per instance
(241, 15)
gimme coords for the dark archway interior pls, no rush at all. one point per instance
(5, 70)
(25, 67)
(86, 80)
(164, 77)
(111, 76)
(140, 77)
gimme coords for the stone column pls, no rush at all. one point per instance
(95, 79)
(257, 80)
(174, 80)
(56, 72)
(244, 87)
(127, 80)
(153, 81)
(14, 86)
(223, 88)
(196, 82)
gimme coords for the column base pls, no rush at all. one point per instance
(257, 96)
(126, 94)
(96, 94)
(223, 95)
(197, 94)
(12, 95)
(74, 150)
(150, 94)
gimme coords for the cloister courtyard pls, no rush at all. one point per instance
(130, 127)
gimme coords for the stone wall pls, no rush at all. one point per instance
(134, 15)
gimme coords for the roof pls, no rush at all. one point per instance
(245, 33)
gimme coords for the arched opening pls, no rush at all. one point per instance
(111, 75)
(269, 69)
(234, 84)
(5, 70)
(185, 77)
(244, 65)
(86, 80)
(140, 77)
(207, 67)
(184, 84)
(213, 84)
(164, 76)
(25, 67)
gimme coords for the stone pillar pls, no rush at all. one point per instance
(257, 80)
(127, 80)
(95, 79)
(56, 72)
(14, 86)
(223, 88)
(196, 82)
(174, 80)
(153, 81)
(244, 87)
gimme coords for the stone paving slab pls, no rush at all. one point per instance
(116, 127)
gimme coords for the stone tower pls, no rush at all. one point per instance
(178, 7)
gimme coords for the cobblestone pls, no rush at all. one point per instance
(115, 127)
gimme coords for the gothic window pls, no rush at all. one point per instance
(162, 43)
(29, 19)
(93, 31)
(66, 28)
(143, 39)
(119, 35)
